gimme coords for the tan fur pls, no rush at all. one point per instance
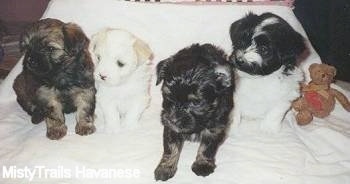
(44, 44)
(143, 51)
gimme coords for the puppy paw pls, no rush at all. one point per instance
(85, 128)
(164, 172)
(37, 116)
(203, 167)
(56, 132)
(37, 119)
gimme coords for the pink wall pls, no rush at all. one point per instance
(22, 10)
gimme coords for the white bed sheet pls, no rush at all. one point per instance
(317, 153)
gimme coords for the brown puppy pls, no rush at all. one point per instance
(57, 77)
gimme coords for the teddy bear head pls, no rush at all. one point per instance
(322, 73)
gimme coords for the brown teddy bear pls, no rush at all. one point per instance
(318, 98)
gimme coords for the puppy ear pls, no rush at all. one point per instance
(333, 70)
(162, 69)
(92, 47)
(92, 43)
(234, 28)
(26, 36)
(291, 47)
(23, 41)
(143, 51)
(298, 44)
(224, 75)
(74, 38)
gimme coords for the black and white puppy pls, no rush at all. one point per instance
(197, 99)
(265, 52)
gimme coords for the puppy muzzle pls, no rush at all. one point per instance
(237, 59)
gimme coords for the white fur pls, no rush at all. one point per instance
(251, 54)
(123, 94)
(223, 70)
(266, 22)
(265, 99)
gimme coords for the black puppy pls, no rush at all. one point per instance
(197, 99)
(57, 77)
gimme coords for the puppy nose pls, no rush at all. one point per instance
(32, 61)
(232, 58)
(239, 60)
(239, 57)
(103, 77)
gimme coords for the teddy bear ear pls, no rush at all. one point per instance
(333, 70)
(312, 66)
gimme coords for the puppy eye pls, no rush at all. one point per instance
(120, 64)
(196, 102)
(264, 50)
(51, 49)
(98, 57)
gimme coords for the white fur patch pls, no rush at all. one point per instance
(266, 99)
(224, 75)
(223, 70)
(251, 55)
(269, 21)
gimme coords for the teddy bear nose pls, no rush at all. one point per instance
(323, 75)
(103, 77)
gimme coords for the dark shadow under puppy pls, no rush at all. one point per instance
(57, 77)
(197, 99)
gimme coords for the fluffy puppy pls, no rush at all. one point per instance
(265, 52)
(57, 77)
(197, 99)
(122, 76)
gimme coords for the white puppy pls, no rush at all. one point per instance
(122, 75)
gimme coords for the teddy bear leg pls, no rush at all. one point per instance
(298, 104)
(304, 117)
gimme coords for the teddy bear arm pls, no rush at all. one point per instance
(341, 98)
(303, 86)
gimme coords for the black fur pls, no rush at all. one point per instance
(278, 44)
(197, 99)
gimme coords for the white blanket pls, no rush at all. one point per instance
(317, 153)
